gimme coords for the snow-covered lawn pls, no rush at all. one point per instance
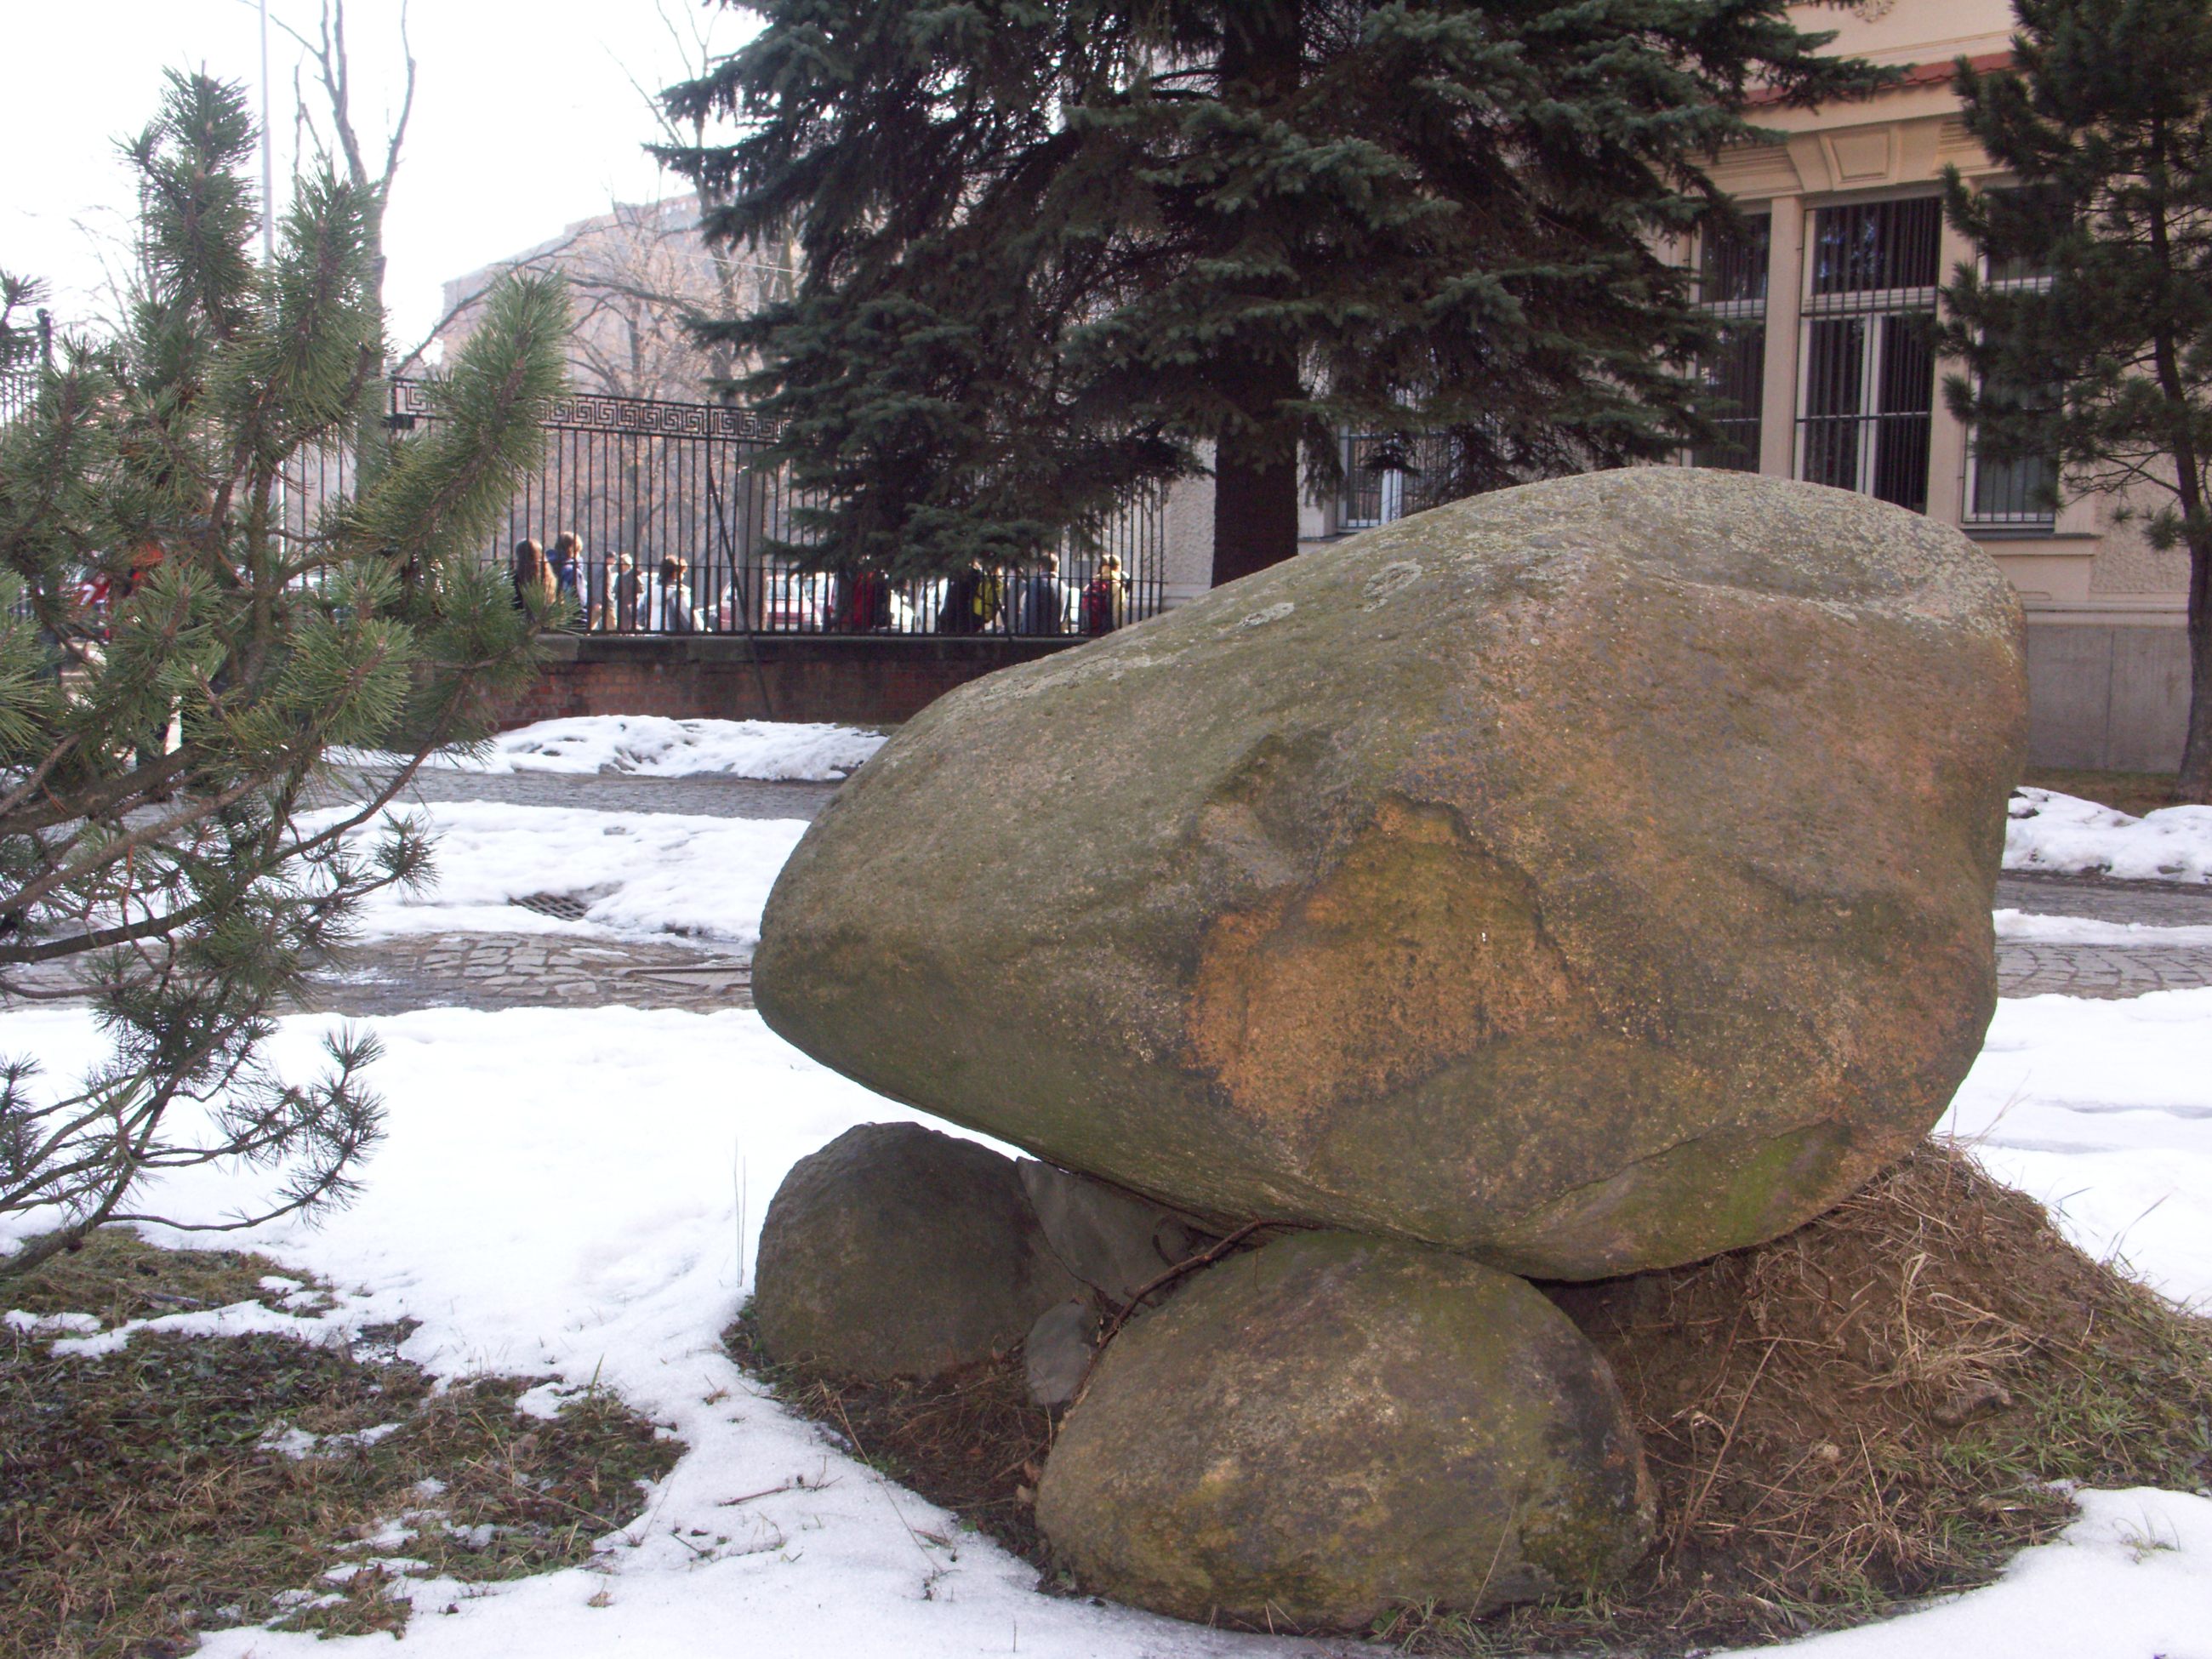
(650, 745)
(2047, 831)
(578, 1192)
(2031, 927)
(638, 873)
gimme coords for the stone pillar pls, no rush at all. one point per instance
(1948, 436)
(1785, 285)
(1190, 535)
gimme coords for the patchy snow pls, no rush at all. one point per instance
(637, 874)
(240, 1319)
(2103, 1110)
(2130, 1579)
(2047, 831)
(578, 1192)
(652, 746)
(2036, 928)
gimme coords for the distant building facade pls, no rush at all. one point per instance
(1832, 381)
(635, 273)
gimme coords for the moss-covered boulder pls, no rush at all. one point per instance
(896, 1251)
(1332, 1426)
(1593, 876)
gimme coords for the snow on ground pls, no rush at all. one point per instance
(580, 1191)
(2047, 831)
(650, 745)
(2031, 927)
(638, 874)
(571, 1191)
(2103, 1110)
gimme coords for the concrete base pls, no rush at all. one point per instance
(2104, 696)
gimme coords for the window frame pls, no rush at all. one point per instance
(1881, 312)
(2026, 520)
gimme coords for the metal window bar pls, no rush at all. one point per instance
(1735, 373)
(1732, 262)
(1877, 247)
(1388, 478)
(2020, 494)
(2016, 494)
(1869, 362)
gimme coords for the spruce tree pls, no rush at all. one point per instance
(2092, 349)
(1052, 247)
(156, 760)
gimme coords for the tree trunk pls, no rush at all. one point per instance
(369, 433)
(1255, 489)
(1256, 499)
(2195, 783)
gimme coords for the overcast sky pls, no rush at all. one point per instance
(525, 120)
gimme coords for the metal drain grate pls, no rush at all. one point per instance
(559, 906)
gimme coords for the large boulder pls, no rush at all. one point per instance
(1593, 876)
(897, 1251)
(1332, 1426)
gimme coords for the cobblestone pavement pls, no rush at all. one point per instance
(2028, 967)
(528, 971)
(532, 970)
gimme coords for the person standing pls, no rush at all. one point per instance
(1106, 598)
(675, 613)
(625, 595)
(535, 590)
(1039, 612)
(566, 556)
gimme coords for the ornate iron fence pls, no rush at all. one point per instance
(676, 507)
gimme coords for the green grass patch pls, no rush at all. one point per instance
(148, 1495)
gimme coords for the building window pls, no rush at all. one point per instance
(1868, 368)
(2020, 493)
(1387, 477)
(1732, 266)
(1374, 483)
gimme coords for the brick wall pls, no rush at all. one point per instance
(858, 680)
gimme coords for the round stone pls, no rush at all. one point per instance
(897, 1251)
(1332, 1426)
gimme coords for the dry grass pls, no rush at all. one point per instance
(1863, 1413)
(141, 1504)
(1869, 1411)
(2132, 792)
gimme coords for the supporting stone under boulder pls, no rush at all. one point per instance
(1593, 877)
(1331, 1426)
(897, 1251)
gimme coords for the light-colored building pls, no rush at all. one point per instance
(1839, 388)
(634, 274)
(1836, 384)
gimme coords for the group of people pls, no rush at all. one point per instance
(554, 578)
(975, 600)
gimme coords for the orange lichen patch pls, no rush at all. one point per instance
(1414, 951)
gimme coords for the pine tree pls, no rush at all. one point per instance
(154, 772)
(2093, 352)
(1052, 247)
